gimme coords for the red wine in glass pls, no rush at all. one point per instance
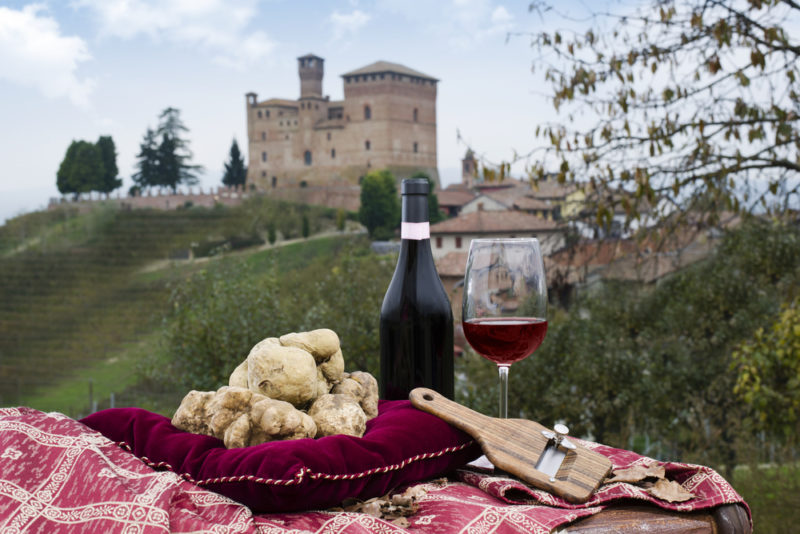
(505, 340)
(504, 308)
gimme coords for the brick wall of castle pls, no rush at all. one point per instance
(385, 121)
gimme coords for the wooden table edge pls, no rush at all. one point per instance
(724, 519)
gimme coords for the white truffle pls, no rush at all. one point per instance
(321, 343)
(338, 414)
(283, 373)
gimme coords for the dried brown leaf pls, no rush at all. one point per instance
(372, 508)
(401, 522)
(637, 473)
(392, 507)
(670, 491)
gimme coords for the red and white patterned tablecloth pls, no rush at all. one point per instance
(57, 475)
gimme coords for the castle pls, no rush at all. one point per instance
(387, 120)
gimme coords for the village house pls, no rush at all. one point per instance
(454, 235)
(453, 198)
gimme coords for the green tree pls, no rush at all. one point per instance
(166, 163)
(235, 169)
(434, 212)
(768, 374)
(147, 162)
(169, 163)
(81, 170)
(271, 234)
(341, 218)
(108, 153)
(380, 205)
(676, 104)
(306, 227)
(171, 125)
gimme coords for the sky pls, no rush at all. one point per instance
(79, 69)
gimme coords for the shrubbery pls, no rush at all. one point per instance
(220, 313)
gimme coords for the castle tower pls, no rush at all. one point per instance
(469, 169)
(311, 69)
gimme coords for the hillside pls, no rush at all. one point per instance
(83, 295)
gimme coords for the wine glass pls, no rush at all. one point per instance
(504, 311)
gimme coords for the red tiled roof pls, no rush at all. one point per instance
(386, 66)
(493, 222)
(551, 189)
(454, 198)
(529, 203)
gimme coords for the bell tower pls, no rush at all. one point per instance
(311, 70)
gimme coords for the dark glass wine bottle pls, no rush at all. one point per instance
(416, 318)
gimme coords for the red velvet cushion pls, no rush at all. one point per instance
(401, 445)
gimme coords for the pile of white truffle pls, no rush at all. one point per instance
(290, 387)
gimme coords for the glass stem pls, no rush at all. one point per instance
(503, 369)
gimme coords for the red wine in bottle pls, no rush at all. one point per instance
(416, 319)
(505, 340)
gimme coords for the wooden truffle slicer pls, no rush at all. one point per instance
(544, 459)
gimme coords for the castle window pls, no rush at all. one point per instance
(274, 181)
(438, 242)
(367, 113)
(263, 174)
(366, 145)
(263, 136)
(316, 106)
(266, 113)
(415, 148)
(458, 242)
(307, 157)
(381, 76)
(259, 114)
(333, 153)
(329, 136)
(373, 77)
(302, 105)
(416, 114)
(264, 156)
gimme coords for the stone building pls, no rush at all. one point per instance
(387, 120)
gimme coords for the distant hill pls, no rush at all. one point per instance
(84, 294)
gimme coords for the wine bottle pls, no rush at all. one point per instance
(416, 327)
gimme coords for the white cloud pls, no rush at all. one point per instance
(474, 21)
(463, 23)
(501, 19)
(34, 53)
(345, 24)
(218, 27)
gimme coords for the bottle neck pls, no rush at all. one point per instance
(415, 222)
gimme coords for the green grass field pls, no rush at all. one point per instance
(81, 302)
(773, 494)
